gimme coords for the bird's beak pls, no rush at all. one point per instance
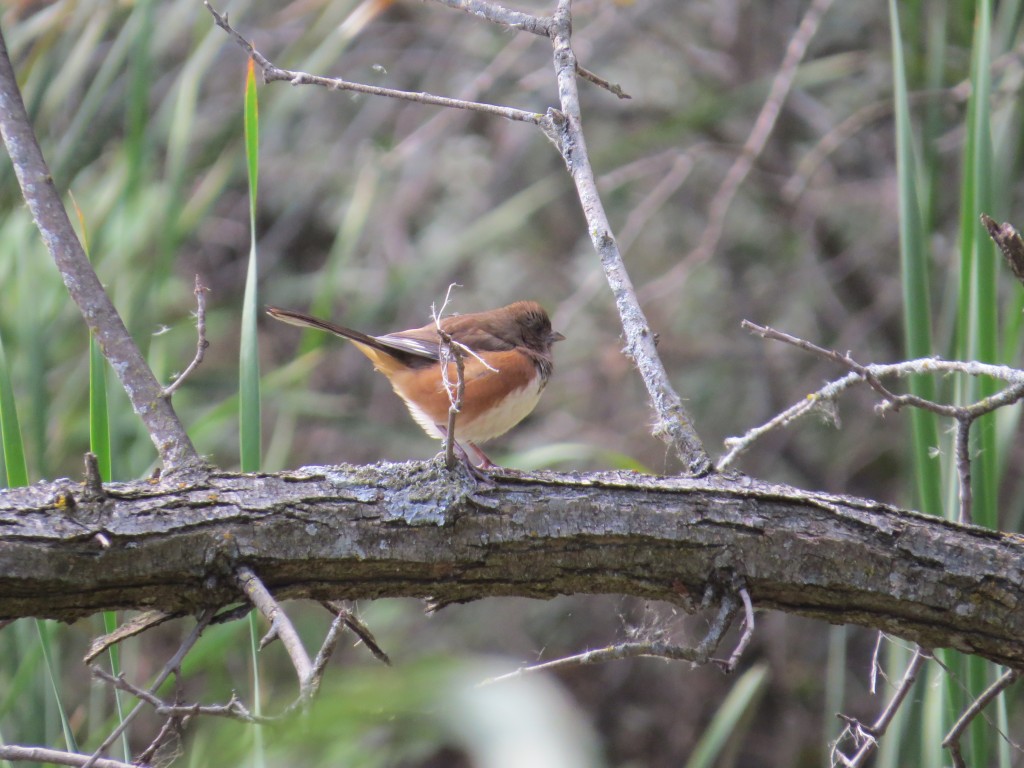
(555, 336)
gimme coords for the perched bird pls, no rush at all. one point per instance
(508, 365)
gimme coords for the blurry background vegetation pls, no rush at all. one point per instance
(369, 208)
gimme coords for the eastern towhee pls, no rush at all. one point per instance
(515, 341)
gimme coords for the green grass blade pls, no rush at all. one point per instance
(99, 417)
(731, 718)
(46, 642)
(980, 313)
(10, 430)
(114, 654)
(249, 368)
(249, 371)
(978, 321)
(914, 269)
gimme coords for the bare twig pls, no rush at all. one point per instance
(138, 624)
(272, 73)
(172, 728)
(359, 629)
(614, 88)
(232, 710)
(56, 757)
(674, 424)
(201, 343)
(506, 17)
(866, 737)
(873, 374)
(456, 394)
(952, 740)
(93, 477)
(536, 25)
(172, 443)
(172, 665)
(748, 632)
(254, 589)
(450, 352)
(697, 655)
(963, 466)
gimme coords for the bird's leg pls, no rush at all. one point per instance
(485, 460)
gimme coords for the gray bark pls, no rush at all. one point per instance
(415, 530)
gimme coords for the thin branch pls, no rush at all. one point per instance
(254, 589)
(748, 632)
(456, 391)
(499, 14)
(135, 626)
(536, 25)
(873, 374)
(456, 394)
(359, 629)
(56, 757)
(201, 343)
(952, 740)
(963, 467)
(272, 73)
(232, 710)
(697, 655)
(172, 443)
(614, 88)
(173, 664)
(674, 424)
(867, 736)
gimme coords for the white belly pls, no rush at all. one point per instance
(516, 406)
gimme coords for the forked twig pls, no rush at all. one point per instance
(272, 73)
(201, 344)
(663, 649)
(866, 736)
(281, 625)
(952, 740)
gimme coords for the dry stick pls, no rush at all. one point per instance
(748, 631)
(273, 73)
(173, 726)
(133, 627)
(233, 710)
(871, 734)
(172, 443)
(963, 467)
(173, 664)
(927, 365)
(201, 343)
(359, 629)
(56, 757)
(964, 415)
(456, 394)
(674, 424)
(752, 148)
(952, 740)
(258, 594)
(699, 654)
(506, 17)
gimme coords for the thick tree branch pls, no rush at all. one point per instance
(144, 391)
(406, 530)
